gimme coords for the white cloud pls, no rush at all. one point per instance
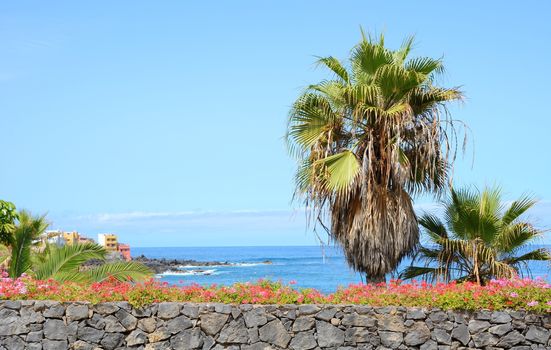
(236, 227)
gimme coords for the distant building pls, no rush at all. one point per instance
(71, 237)
(108, 241)
(75, 238)
(124, 249)
(53, 237)
(83, 239)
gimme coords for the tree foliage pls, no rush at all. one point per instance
(8, 216)
(66, 264)
(480, 238)
(25, 236)
(367, 140)
(20, 241)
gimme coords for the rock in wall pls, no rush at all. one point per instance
(56, 326)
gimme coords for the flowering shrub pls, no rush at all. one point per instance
(526, 294)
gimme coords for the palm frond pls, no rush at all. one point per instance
(25, 234)
(402, 53)
(342, 168)
(512, 237)
(412, 272)
(517, 208)
(425, 65)
(124, 271)
(540, 254)
(335, 66)
(67, 259)
(432, 224)
(4, 253)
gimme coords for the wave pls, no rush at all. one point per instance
(188, 273)
(251, 264)
(231, 264)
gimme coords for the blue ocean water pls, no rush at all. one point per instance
(310, 266)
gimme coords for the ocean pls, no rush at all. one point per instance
(309, 266)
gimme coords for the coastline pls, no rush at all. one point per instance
(174, 266)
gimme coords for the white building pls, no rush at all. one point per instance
(54, 237)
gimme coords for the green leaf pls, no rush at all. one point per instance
(124, 271)
(26, 233)
(4, 253)
(342, 168)
(411, 272)
(517, 208)
(335, 66)
(67, 259)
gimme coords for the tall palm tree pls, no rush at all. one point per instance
(480, 238)
(367, 140)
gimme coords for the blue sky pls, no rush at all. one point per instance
(163, 121)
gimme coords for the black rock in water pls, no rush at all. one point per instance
(162, 265)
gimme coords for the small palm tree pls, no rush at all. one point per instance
(25, 236)
(61, 263)
(367, 140)
(480, 238)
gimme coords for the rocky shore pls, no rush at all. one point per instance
(164, 265)
(159, 266)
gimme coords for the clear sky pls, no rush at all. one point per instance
(162, 121)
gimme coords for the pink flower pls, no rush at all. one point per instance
(513, 295)
(532, 303)
(549, 303)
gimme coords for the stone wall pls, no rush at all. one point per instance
(56, 326)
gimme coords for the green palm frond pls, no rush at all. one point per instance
(433, 225)
(67, 259)
(462, 214)
(395, 81)
(484, 239)
(342, 168)
(71, 276)
(410, 272)
(425, 66)
(335, 66)
(517, 208)
(423, 100)
(25, 234)
(124, 271)
(4, 253)
(368, 57)
(512, 237)
(402, 53)
(489, 203)
(540, 254)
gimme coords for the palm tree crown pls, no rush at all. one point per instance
(480, 239)
(368, 139)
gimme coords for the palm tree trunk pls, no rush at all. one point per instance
(475, 263)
